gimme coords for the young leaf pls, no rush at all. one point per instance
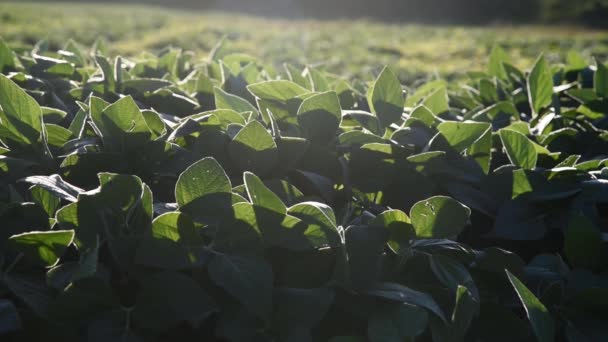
(385, 97)
(7, 60)
(204, 189)
(261, 196)
(496, 68)
(122, 125)
(542, 322)
(320, 117)
(439, 217)
(437, 102)
(253, 149)
(520, 149)
(461, 135)
(540, 85)
(600, 80)
(280, 90)
(224, 100)
(46, 247)
(20, 114)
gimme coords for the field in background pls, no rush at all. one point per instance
(351, 48)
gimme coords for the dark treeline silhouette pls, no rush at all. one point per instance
(585, 12)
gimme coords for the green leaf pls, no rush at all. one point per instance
(122, 125)
(600, 80)
(261, 196)
(280, 90)
(519, 148)
(248, 279)
(453, 274)
(175, 243)
(322, 229)
(439, 217)
(320, 117)
(437, 102)
(400, 228)
(253, 149)
(7, 60)
(461, 135)
(385, 97)
(496, 68)
(543, 324)
(241, 234)
(582, 243)
(224, 100)
(49, 202)
(46, 247)
(396, 323)
(20, 114)
(421, 113)
(204, 189)
(540, 86)
(465, 310)
(107, 72)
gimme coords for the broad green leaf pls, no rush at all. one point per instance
(453, 274)
(481, 150)
(437, 102)
(396, 322)
(400, 228)
(46, 247)
(465, 310)
(495, 64)
(385, 97)
(241, 234)
(543, 324)
(600, 80)
(280, 90)
(261, 196)
(20, 114)
(49, 202)
(519, 148)
(320, 117)
(322, 229)
(253, 149)
(247, 279)
(461, 135)
(174, 243)
(204, 189)
(224, 100)
(423, 114)
(7, 60)
(540, 85)
(439, 217)
(122, 125)
(107, 71)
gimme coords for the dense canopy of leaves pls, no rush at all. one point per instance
(169, 198)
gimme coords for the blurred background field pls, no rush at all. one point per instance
(354, 48)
